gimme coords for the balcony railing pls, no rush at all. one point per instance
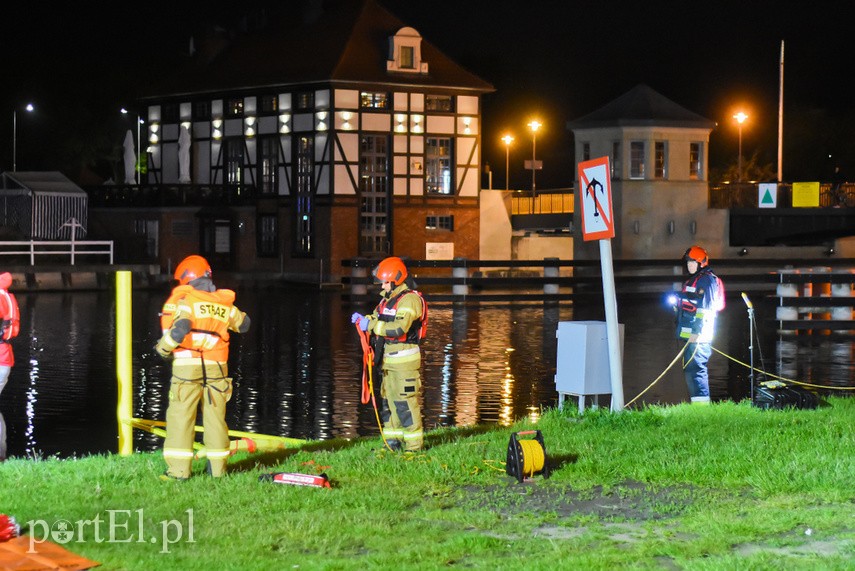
(557, 201)
(161, 195)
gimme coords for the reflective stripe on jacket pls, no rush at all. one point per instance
(168, 312)
(211, 314)
(402, 315)
(696, 313)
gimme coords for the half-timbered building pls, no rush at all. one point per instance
(335, 132)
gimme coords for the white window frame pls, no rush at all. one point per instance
(660, 159)
(696, 154)
(637, 157)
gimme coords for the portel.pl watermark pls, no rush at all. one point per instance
(113, 526)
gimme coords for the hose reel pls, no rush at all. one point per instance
(527, 458)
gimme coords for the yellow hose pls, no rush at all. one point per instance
(533, 457)
(259, 442)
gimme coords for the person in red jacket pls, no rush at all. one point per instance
(196, 321)
(9, 327)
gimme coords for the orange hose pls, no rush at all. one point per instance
(367, 364)
(368, 378)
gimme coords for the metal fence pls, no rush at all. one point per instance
(746, 195)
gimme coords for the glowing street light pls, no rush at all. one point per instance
(29, 108)
(508, 139)
(740, 119)
(534, 126)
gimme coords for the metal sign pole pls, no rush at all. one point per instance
(595, 202)
(612, 329)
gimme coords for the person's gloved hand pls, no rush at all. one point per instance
(355, 317)
(164, 353)
(363, 323)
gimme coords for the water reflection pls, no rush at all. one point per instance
(298, 371)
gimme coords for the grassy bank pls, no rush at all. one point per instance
(721, 487)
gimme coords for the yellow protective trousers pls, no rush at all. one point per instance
(195, 387)
(400, 411)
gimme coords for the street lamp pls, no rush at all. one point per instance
(508, 140)
(534, 125)
(29, 108)
(740, 119)
(138, 166)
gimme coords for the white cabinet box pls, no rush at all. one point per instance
(582, 367)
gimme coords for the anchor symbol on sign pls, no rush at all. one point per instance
(592, 189)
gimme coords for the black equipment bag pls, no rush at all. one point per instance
(805, 398)
(778, 395)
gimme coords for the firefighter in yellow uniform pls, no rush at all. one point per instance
(196, 321)
(400, 322)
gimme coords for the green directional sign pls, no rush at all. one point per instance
(767, 194)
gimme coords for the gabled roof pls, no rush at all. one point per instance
(346, 42)
(641, 106)
(43, 183)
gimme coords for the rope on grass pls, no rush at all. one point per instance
(657, 379)
(774, 376)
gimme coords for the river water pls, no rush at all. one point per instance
(297, 372)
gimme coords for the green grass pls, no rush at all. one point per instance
(726, 486)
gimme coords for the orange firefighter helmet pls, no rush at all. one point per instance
(191, 268)
(391, 270)
(697, 254)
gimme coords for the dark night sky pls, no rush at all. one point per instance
(558, 60)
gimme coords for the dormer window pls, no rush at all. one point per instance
(405, 52)
(408, 57)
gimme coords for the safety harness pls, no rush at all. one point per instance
(388, 308)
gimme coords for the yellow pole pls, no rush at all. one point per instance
(124, 368)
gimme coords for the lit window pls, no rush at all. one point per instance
(269, 104)
(235, 108)
(233, 160)
(441, 103)
(369, 100)
(304, 205)
(306, 101)
(438, 165)
(268, 164)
